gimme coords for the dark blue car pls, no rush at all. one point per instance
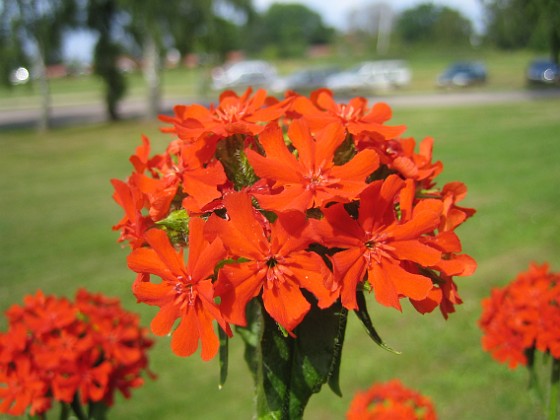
(543, 71)
(463, 74)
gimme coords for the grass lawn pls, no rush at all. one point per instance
(57, 214)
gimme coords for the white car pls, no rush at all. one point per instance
(372, 75)
(242, 74)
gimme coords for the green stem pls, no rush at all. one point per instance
(64, 411)
(554, 390)
(77, 408)
(230, 152)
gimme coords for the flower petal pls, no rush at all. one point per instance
(416, 251)
(145, 260)
(237, 284)
(164, 319)
(184, 341)
(285, 304)
(159, 242)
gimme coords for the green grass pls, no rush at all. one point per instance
(57, 214)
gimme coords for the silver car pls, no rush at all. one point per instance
(372, 75)
(243, 74)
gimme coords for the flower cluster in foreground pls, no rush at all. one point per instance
(523, 316)
(73, 352)
(299, 202)
(390, 400)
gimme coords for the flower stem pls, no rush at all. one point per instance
(554, 390)
(77, 408)
(64, 411)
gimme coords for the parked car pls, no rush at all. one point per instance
(463, 74)
(304, 80)
(242, 74)
(371, 75)
(543, 71)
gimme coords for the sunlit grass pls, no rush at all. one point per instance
(57, 212)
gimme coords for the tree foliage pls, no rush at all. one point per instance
(103, 17)
(181, 24)
(288, 29)
(32, 31)
(512, 24)
(434, 24)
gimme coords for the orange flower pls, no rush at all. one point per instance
(399, 155)
(133, 224)
(202, 175)
(141, 159)
(22, 388)
(523, 315)
(355, 116)
(312, 179)
(55, 349)
(390, 400)
(233, 115)
(86, 376)
(186, 292)
(277, 264)
(382, 245)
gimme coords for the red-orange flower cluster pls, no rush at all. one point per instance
(523, 315)
(273, 197)
(60, 350)
(390, 400)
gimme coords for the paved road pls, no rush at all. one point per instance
(94, 112)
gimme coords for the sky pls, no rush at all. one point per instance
(334, 13)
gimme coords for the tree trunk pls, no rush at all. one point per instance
(152, 75)
(43, 123)
(383, 31)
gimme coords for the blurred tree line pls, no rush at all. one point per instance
(513, 24)
(31, 33)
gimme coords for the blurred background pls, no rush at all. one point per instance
(97, 59)
(83, 79)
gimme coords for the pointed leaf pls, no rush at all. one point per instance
(334, 372)
(251, 335)
(291, 369)
(224, 353)
(363, 316)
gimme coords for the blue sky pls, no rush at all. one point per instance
(334, 12)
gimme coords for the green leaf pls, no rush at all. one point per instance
(177, 220)
(273, 358)
(251, 335)
(223, 354)
(345, 151)
(318, 351)
(291, 369)
(176, 225)
(364, 317)
(334, 372)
